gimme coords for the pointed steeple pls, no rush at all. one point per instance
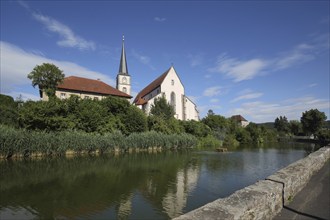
(123, 64)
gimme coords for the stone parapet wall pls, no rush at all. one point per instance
(264, 199)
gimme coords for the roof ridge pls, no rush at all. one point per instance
(78, 83)
(151, 86)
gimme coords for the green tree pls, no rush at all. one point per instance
(49, 116)
(282, 125)
(196, 128)
(312, 121)
(46, 76)
(162, 108)
(295, 127)
(134, 121)
(8, 111)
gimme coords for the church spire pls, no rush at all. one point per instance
(123, 64)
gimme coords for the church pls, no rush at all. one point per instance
(167, 84)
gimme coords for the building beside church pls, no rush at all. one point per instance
(169, 85)
(95, 89)
(240, 120)
(85, 89)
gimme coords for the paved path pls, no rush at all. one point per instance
(313, 201)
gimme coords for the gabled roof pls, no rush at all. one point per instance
(238, 118)
(90, 85)
(152, 86)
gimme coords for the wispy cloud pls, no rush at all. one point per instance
(16, 63)
(214, 100)
(142, 59)
(239, 70)
(159, 19)
(67, 37)
(291, 108)
(299, 54)
(195, 60)
(247, 94)
(212, 91)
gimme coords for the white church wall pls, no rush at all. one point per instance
(171, 84)
(190, 110)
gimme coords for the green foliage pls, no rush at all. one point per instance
(134, 120)
(323, 136)
(243, 136)
(256, 132)
(161, 108)
(312, 121)
(230, 141)
(19, 141)
(295, 127)
(196, 128)
(40, 115)
(47, 76)
(8, 111)
(215, 122)
(209, 142)
(282, 125)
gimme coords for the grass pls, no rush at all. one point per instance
(24, 142)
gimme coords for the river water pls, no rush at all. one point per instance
(134, 186)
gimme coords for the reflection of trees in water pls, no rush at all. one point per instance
(87, 185)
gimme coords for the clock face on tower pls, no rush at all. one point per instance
(124, 80)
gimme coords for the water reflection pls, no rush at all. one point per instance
(131, 186)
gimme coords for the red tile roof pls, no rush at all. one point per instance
(152, 86)
(90, 85)
(238, 118)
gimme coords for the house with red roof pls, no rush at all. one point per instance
(95, 89)
(240, 120)
(85, 89)
(169, 85)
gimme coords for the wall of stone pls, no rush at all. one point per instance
(264, 199)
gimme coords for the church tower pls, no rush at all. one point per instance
(123, 78)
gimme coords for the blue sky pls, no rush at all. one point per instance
(260, 59)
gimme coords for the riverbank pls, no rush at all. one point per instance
(266, 198)
(18, 143)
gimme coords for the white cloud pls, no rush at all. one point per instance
(239, 70)
(214, 100)
(195, 60)
(16, 63)
(68, 37)
(212, 91)
(143, 59)
(291, 108)
(312, 85)
(159, 19)
(247, 94)
(299, 54)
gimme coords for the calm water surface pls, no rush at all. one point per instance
(133, 186)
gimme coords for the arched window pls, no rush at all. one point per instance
(124, 89)
(124, 80)
(173, 101)
(172, 82)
